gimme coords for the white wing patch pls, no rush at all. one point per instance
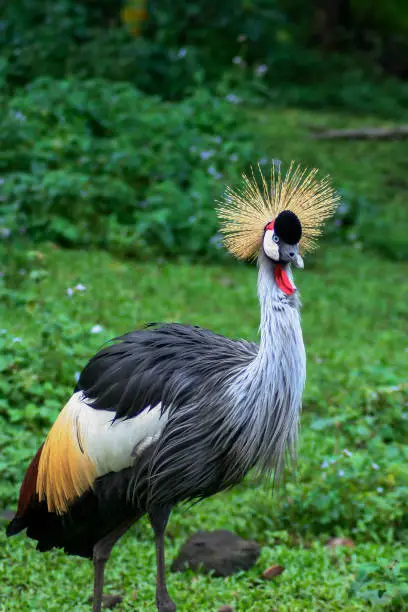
(114, 446)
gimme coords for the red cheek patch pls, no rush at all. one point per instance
(282, 280)
(270, 226)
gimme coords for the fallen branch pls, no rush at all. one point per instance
(363, 134)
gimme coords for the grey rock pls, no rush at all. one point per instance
(221, 552)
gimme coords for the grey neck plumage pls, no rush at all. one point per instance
(268, 391)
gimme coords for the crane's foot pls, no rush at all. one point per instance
(165, 604)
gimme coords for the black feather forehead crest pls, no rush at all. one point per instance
(297, 203)
(288, 227)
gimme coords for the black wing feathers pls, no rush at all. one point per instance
(153, 365)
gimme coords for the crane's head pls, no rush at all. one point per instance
(281, 217)
(281, 239)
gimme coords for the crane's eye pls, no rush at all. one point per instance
(275, 238)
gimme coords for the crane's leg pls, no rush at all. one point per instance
(158, 518)
(101, 553)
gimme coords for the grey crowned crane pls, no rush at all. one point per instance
(172, 412)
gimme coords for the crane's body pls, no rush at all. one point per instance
(166, 414)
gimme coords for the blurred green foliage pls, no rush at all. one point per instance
(100, 163)
(97, 162)
(286, 51)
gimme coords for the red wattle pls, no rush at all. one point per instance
(282, 280)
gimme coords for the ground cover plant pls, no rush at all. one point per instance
(59, 306)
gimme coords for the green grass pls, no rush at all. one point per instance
(355, 322)
(354, 330)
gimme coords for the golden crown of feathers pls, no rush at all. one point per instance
(246, 210)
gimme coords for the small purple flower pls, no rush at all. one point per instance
(263, 161)
(324, 465)
(233, 98)
(80, 287)
(4, 232)
(340, 473)
(213, 171)
(375, 466)
(96, 329)
(206, 154)
(192, 219)
(216, 240)
(234, 157)
(182, 52)
(277, 163)
(380, 489)
(70, 292)
(16, 339)
(19, 116)
(218, 139)
(347, 452)
(261, 70)
(77, 375)
(237, 60)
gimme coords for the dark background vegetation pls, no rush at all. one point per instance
(119, 120)
(120, 124)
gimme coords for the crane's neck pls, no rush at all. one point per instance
(268, 391)
(280, 320)
(266, 394)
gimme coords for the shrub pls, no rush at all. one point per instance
(309, 59)
(100, 163)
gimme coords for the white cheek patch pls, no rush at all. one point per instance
(270, 247)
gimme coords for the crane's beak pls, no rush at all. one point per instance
(298, 261)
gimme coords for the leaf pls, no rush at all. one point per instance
(272, 572)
